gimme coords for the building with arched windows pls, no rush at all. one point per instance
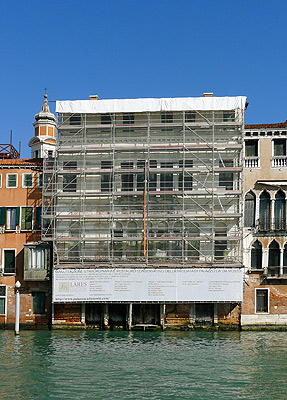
(265, 233)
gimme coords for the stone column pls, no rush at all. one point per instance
(265, 260)
(281, 261)
(272, 226)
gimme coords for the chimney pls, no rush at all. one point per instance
(94, 97)
(207, 94)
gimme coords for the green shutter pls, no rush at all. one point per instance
(26, 219)
(17, 215)
(3, 216)
(38, 222)
(9, 261)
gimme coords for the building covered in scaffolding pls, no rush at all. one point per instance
(143, 202)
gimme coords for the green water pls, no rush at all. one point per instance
(143, 365)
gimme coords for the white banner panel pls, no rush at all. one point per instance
(147, 285)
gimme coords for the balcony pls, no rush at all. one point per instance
(277, 272)
(279, 161)
(252, 162)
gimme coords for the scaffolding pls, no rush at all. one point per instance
(148, 189)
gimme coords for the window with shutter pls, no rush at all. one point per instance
(9, 261)
(249, 210)
(38, 221)
(26, 219)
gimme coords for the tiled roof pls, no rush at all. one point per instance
(267, 126)
(22, 161)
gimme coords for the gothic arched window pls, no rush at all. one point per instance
(274, 257)
(256, 255)
(280, 211)
(249, 209)
(264, 211)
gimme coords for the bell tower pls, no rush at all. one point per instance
(43, 144)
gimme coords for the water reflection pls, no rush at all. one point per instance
(143, 365)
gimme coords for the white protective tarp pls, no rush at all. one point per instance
(152, 105)
(148, 285)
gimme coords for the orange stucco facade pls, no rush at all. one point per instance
(15, 196)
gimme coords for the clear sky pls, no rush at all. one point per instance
(131, 49)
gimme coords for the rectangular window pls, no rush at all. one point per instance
(27, 180)
(9, 261)
(70, 179)
(106, 119)
(187, 182)
(166, 179)
(38, 219)
(2, 300)
(26, 218)
(128, 119)
(251, 148)
(127, 179)
(141, 176)
(190, 116)
(75, 119)
(37, 258)
(0, 180)
(39, 300)
(262, 300)
(166, 117)
(152, 182)
(279, 147)
(12, 217)
(40, 180)
(106, 179)
(228, 116)
(11, 180)
(226, 178)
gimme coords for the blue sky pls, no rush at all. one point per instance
(130, 49)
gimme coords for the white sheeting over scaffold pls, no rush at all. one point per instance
(150, 105)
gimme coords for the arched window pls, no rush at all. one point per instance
(264, 211)
(256, 255)
(280, 211)
(249, 210)
(132, 229)
(162, 229)
(220, 244)
(274, 257)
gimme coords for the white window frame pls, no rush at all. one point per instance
(0, 181)
(23, 177)
(3, 261)
(7, 178)
(11, 221)
(5, 301)
(268, 301)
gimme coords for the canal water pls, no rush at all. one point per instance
(143, 365)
